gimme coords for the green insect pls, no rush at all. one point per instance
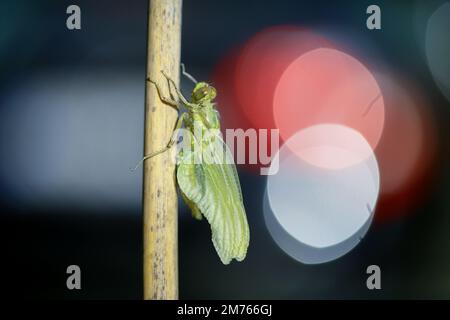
(210, 189)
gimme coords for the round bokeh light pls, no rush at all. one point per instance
(328, 86)
(316, 214)
(407, 149)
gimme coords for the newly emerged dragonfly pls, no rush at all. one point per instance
(210, 189)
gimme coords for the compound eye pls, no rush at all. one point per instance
(199, 94)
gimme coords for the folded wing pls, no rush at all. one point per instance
(213, 187)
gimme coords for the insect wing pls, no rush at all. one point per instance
(215, 190)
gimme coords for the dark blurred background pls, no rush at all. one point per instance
(71, 125)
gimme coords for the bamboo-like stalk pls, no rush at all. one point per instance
(159, 195)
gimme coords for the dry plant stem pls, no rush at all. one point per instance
(159, 195)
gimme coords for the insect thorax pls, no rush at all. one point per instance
(206, 116)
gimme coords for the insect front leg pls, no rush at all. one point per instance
(172, 141)
(169, 101)
(177, 90)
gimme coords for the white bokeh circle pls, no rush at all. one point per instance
(315, 212)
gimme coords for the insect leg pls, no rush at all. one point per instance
(173, 139)
(180, 95)
(170, 102)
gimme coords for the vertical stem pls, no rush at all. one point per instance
(159, 196)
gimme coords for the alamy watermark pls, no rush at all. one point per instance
(74, 279)
(374, 280)
(198, 145)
